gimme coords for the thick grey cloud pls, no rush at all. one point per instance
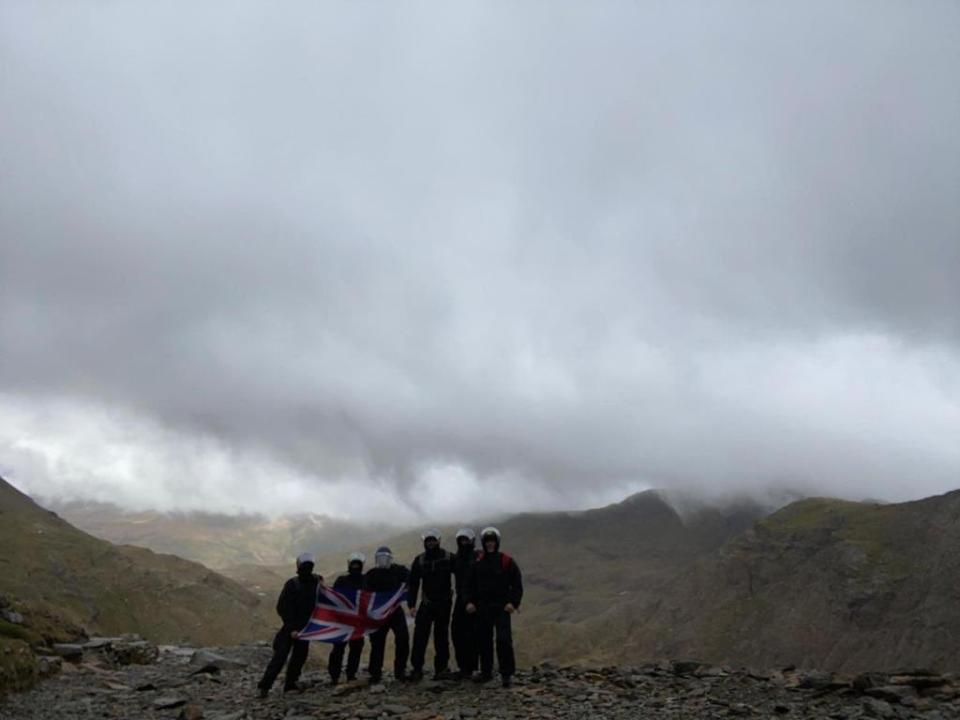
(565, 249)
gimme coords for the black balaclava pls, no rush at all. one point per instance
(496, 538)
(436, 549)
(305, 570)
(465, 545)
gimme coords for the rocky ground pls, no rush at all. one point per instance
(131, 679)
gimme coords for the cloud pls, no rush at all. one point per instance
(539, 248)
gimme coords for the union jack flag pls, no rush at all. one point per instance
(350, 614)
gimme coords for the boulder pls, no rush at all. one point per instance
(49, 664)
(133, 652)
(69, 651)
(684, 667)
(12, 616)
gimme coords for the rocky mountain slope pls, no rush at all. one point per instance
(219, 684)
(823, 583)
(50, 566)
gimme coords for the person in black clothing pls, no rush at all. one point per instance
(384, 576)
(295, 606)
(463, 629)
(494, 592)
(353, 580)
(433, 568)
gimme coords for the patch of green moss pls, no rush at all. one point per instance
(813, 514)
(872, 528)
(19, 632)
(18, 665)
(878, 535)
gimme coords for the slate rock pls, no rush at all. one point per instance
(877, 708)
(395, 709)
(168, 702)
(205, 661)
(68, 651)
(892, 693)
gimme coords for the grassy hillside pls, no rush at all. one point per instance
(110, 589)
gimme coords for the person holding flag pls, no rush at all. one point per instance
(344, 615)
(353, 580)
(294, 606)
(386, 578)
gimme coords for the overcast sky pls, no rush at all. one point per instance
(452, 257)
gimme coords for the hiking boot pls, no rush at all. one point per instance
(262, 692)
(375, 679)
(416, 675)
(334, 681)
(444, 674)
(483, 678)
(507, 681)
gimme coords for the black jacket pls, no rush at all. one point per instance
(383, 579)
(350, 581)
(494, 580)
(435, 571)
(463, 563)
(297, 600)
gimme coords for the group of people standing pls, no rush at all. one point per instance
(467, 596)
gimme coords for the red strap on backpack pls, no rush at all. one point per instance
(504, 559)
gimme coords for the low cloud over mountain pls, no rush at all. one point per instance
(477, 258)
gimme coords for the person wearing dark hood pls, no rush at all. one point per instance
(433, 569)
(386, 576)
(494, 592)
(353, 580)
(294, 606)
(463, 628)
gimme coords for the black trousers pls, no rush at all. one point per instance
(378, 642)
(463, 633)
(283, 644)
(436, 616)
(493, 618)
(335, 663)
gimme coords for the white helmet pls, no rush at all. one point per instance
(467, 533)
(304, 558)
(356, 557)
(430, 533)
(490, 531)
